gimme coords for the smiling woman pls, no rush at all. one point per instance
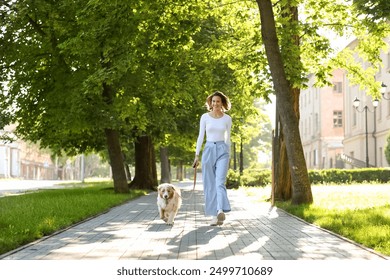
(216, 125)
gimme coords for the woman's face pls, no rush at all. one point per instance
(216, 103)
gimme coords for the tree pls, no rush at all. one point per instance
(64, 65)
(255, 135)
(305, 49)
(219, 59)
(387, 150)
(94, 75)
(79, 71)
(146, 173)
(285, 105)
(374, 9)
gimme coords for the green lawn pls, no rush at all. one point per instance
(357, 212)
(25, 218)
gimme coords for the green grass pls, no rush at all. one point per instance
(358, 212)
(28, 217)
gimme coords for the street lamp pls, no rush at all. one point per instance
(383, 91)
(375, 103)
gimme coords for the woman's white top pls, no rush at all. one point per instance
(216, 129)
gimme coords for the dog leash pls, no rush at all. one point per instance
(193, 188)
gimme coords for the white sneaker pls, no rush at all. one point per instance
(214, 221)
(220, 217)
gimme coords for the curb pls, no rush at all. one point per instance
(64, 229)
(336, 235)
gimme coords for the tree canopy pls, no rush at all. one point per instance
(373, 10)
(76, 71)
(80, 76)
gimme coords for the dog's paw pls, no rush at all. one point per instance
(170, 223)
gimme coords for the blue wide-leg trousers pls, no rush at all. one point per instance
(215, 164)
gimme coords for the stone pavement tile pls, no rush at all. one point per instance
(134, 231)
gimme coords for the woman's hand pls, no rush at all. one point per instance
(196, 162)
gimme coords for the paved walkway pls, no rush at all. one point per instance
(134, 231)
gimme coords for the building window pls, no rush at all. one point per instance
(338, 87)
(388, 108)
(314, 157)
(388, 60)
(337, 119)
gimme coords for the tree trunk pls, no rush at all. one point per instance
(179, 171)
(301, 190)
(128, 172)
(114, 149)
(283, 190)
(145, 164)
(234, 157)
(127, 167)
(165, 166)
(116, 161)
(283, 184)
(241, 158)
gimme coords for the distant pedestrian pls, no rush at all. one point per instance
(216, 124)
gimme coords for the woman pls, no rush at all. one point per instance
(215, 157)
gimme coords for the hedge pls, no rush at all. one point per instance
(249, 178)
(262, 177)
(349, 176)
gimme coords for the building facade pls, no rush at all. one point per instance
(19, 159)
(357, 138)
(23, 160)
(334, 133)
(322, 122)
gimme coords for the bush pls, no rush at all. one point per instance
(262, 177)
(249, 178)
(233, 179)
(256, 177)
(349, 176)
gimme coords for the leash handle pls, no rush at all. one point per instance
(195, 168)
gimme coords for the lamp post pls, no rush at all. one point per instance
(356, 103)
(383, 91)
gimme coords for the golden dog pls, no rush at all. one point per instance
(169, 202)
